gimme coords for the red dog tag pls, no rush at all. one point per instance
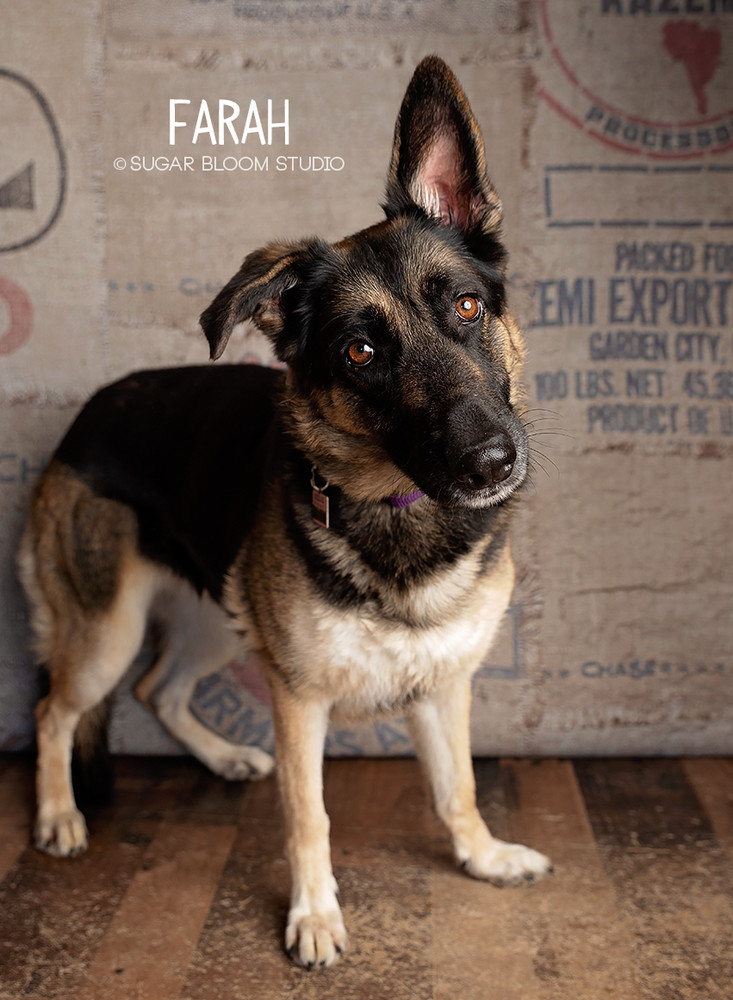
(320, 511)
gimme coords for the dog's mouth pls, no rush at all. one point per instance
(476, 495)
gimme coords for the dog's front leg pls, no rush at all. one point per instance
(315, 934)
(440, 730)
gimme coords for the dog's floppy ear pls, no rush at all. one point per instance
(254, 293)
(438, 160)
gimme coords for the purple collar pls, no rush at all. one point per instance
(404, 500)
(321, 503)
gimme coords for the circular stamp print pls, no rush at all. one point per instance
(32, 163)
(650, 77)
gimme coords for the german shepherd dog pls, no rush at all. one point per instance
(347, 517)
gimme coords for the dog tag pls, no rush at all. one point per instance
(320, 505)
(320, 509)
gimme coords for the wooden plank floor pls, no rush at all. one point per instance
(183, 892)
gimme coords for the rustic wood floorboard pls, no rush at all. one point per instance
(182, 894)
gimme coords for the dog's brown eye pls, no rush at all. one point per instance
(468, 308)
(360, 353)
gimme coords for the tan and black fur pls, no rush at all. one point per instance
(185, 496)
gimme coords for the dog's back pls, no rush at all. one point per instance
(187, 450)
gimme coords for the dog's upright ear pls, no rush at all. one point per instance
(255, 293)
(438, 160)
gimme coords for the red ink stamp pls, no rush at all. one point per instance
(648, 77)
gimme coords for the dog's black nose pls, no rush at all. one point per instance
(487, 464)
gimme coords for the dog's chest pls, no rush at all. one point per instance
(365, 661)
(365, 667)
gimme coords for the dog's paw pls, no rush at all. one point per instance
(62, 836)
(243, 762)
(315, 940)
(507, 864)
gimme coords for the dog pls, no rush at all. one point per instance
(346, 516)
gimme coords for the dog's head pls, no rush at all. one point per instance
(403, 362)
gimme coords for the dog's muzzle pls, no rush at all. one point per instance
(487, 464)
(485, 452)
